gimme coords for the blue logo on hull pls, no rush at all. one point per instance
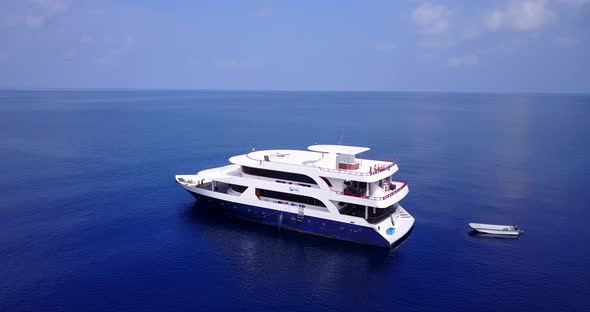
(390, 231)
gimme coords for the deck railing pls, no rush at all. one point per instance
(378, 169)
(404, 184)
(195, 182)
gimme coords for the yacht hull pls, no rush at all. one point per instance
(306, 224)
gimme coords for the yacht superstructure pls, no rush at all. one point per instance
(326, 191)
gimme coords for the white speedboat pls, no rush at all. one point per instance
(496, 229)
(325, 191)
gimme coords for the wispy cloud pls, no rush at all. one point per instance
(385, 46)
(70, 53)
(227, 63)
(265, 11)
(118, 48)
(435, 43)
(424, 56)
(470, 59)
(566, 41)
(38, 12)
(431, 19)
(527, 15)
(86, 39)
(574, 3)
(27, 21)
(53, 6)
(472, 30)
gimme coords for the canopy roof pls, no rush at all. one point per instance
(338, 149)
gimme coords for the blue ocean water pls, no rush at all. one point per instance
(92, 220)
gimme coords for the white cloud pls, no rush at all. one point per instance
(435, 43)
(28, 21)
(194, 61)
(385, 46)
(34, 21)
(431, 19)
(118, 48)
(566, 41)
(424, 57)
(472, 31)
(227, 63)
(107, 40)
(53, 6)
(130, 42)
(264, 12)
(70, 53)
(465, 60)
(44, 10)
(86, 39)
(574, 3)
(527, 15)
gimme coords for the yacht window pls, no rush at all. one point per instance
(327, 181)
(278, 175)
(290, 197)
(238, 188)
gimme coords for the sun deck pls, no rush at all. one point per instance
(323, 161)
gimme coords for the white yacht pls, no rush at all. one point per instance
(326, 191)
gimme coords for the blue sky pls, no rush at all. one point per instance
(490, 46)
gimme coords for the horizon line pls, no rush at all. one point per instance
(299, 90)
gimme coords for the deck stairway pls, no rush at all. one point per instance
(300, 214)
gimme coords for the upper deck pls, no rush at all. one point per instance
(325, 160)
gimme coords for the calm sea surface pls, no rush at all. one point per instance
(92, 220)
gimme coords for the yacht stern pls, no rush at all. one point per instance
(397, 228)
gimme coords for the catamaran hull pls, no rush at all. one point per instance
(306, 224)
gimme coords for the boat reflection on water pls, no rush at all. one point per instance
(477, 234)
(255, 246)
